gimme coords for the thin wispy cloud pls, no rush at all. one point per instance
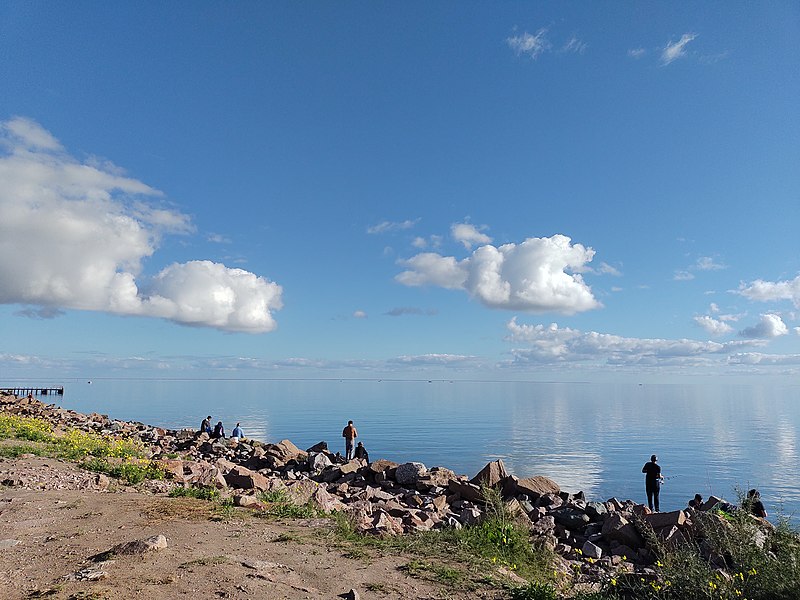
(529, 44)
(675, 50)
(410, 310)
(574, 45)
(387, 226)
(637, 52)
(216, 238)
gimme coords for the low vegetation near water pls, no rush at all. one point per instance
(469, 558)
(119, 458)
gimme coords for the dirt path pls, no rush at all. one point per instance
(52, 522)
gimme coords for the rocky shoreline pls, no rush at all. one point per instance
(592, 539)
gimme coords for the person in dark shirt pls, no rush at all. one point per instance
(753, 500)
(696, 502)
(652, 482)
(361, 452)
(219, 431)
(205, 426)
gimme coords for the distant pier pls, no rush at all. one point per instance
(36, 391)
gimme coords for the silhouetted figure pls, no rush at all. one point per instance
(652, 482)
(219, 431)
(753, 502)
(696, 502)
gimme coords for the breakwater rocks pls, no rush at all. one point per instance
(382, 497)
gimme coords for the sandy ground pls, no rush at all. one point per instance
(51, 526)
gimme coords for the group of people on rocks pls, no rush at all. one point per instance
(653, 480)
(219, 430)
(349, 433)
(652, 470)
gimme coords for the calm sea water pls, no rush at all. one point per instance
(710, 439)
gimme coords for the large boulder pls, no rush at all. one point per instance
(668, 519)
(492, 475)
(409, 473)
(537, 486)
(618, 528)
(466, 490)
(245, 479)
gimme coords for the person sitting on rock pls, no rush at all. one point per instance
(237, 433)
(361, 452)
(219, 431)
(205, 426)
(696, 502)
(754, 504)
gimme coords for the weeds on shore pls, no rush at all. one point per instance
(118, 458)
(280, 504)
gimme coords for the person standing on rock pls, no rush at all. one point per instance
(349, 434)
(652, 482)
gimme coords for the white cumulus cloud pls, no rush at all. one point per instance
(551, 344)
(675, 50)
(713, 326)
(769, 326)
(531, 276)
(75, 235)
(768, 291)
(469, 235)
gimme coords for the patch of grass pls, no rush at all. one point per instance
(534, 591)
(201, 493)
(376, 587)
(15, 451)
(281, 505)
(205, 561)
(131, 471)
(433, 571)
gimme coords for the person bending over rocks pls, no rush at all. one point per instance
(349, 434)
(652, 482)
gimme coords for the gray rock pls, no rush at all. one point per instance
(409, 473)
(591, 550)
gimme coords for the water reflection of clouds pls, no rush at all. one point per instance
(781, 474)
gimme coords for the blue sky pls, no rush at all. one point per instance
(548, 191)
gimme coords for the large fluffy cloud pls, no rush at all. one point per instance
(551, 344)
(74, 235)
(769, 326)
(768, 291)
(531, 276)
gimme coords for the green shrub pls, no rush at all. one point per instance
(534, 591)
(131, 471)
(201, 493)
